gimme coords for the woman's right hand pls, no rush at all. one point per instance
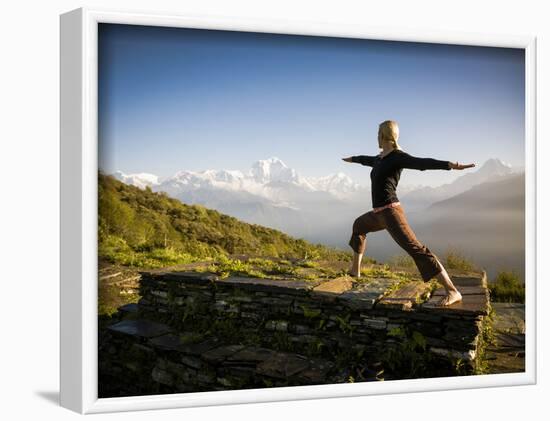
(457, 166)
(347, 159)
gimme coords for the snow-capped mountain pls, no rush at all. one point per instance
(190, 180)
(339, 184)
(140, 180)
(273, 181)
(322, 209)
(316, 208)
(270, 179)
(268, 193)
(271, 170)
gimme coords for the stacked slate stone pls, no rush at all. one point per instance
(176, 299)
(144, 357)
(332, 314)
(126, 358)
(455, 331)
(331, 317)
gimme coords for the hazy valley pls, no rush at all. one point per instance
(481, 213)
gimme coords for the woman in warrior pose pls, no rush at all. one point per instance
(387, 213)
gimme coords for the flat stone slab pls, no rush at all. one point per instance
(141, 328)
(505, 359)
(200, 347)
(470, 281)
(252, 354)
(471, 290)
(171, 342)
(129, 308)
(510, 340)
(296, 287)
(363, 296)
(317, 371)
(167, 342)
(510, 317)
(217, 355)
(405, 297)
(335, 286)
(200, 278)
(472, 305)
(283, 365)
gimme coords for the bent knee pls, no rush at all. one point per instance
(356, 225)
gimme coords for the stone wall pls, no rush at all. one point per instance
(193, 331)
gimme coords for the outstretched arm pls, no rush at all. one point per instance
(415, 163)
(361, 159)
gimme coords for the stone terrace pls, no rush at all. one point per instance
(282, 332)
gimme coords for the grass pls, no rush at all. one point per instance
(454, 258)
(507, 287)
(226, 266)
(115, 250)
(487, 338)
(268, 268)
(300, 269)
(308, 264)
(434, 285)
(386, 271)
(401, 261)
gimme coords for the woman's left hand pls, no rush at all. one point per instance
(457, 166)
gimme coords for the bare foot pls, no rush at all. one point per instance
(451, 298)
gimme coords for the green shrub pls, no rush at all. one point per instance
(170, 256)
(507, 287)
(407, 355)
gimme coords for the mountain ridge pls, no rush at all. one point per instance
(272, 173)
(262, 175)
(145, 226)
(319, 215)
(492, 168)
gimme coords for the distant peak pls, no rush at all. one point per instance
(335, 176)
(273, 169)
(270, 161)
(140, 180)
(495, 162)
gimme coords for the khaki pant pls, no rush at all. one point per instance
(394, 220)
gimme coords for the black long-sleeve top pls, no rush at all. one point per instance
(386, 172)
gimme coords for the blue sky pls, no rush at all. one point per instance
(175, 99)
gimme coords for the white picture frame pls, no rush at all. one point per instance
(79, 165)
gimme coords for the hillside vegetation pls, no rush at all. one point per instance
(507, 287)
(142, 228)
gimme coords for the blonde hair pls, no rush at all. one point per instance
(389, 131)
